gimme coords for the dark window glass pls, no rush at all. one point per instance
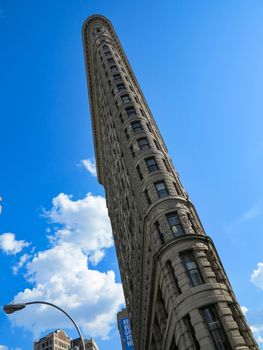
(105, 47)
(143, 143)
(107, 53)
(191, 329)
(151, 164)
(173, 345)
(110, 60)
(132, 151)
(161, 189)
(125, 98)
(148, 199)
(139, 172)
(191, 268)
(121, 118)
(215, 328)
(130, 111)
(177, 189)
(117, 77)
(175, 224)
(157, 226)
(166, 165)
(121, 87)
(136, 127)
(172, 274)
(113, 68)
(126, 133)
(156, 144)
(142, 112)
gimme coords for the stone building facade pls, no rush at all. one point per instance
(176, 290)
(59, 340)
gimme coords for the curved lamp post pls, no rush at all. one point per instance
(10, 308)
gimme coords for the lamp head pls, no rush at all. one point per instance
(10, 308)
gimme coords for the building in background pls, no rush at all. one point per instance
(90, 344)
(125, 330)
(59, 340)
(177, 293)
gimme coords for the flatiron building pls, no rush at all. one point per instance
(177, 293)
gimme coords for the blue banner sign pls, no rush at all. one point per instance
(126, 334)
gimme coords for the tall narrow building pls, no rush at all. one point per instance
(176, 290)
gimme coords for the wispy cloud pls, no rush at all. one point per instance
(90, 165)
(253, 212)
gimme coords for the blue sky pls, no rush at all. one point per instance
(199, 64)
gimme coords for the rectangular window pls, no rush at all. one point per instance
(125, 98)
(107, 53)
(166, 165)
(161, 189)
(143, 143)
(132, 151)
(175, 224)
(191, 329)
(176, 187)
(215, 328)
(114, 68)
(142, 112)
(139, 172)
(136, 127)
(121, 87)
(148, 199)
(130, 111)
(117, 77)
(105, 47)
(157, 226)
(121, 118)
(173, 345)
(173, 276)
(110, 60)
(191, 267)
(151, 164)
(156, 145)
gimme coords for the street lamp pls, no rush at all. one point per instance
(11, 308)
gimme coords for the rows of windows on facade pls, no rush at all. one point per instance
(59, 340)
(177, 293)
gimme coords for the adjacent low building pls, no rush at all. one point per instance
(59, 340)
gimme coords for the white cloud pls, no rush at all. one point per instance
(244, 309)
(24, 258)
(10, 245)
(90, 165)
(257, 276)
(256, 329)
(84, 222)
(62, 274)
(3, 347)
